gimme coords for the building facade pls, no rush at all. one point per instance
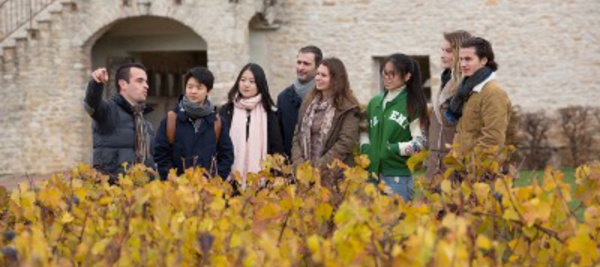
(548, 52)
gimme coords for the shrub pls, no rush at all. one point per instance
(575, 122)
(78, 219)
(534, 145)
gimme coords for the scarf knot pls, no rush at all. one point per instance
(248, 104)
(194, 110)
(463, 91)
(302, 88)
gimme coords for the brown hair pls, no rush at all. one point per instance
(483, 49)
(339, 83)
(315, 51)
(455, 39)
(124, 73)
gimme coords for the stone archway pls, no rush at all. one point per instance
(165, 46)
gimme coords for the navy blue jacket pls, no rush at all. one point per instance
(288, 104)
(113, 131)
(275, 144)
(192, 148)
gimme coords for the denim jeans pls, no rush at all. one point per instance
(401, 185)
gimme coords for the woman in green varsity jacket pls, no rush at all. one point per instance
(397, 119)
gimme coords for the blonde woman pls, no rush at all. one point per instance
(441, 131)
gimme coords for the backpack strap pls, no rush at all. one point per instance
(171, 123)
(218, 127)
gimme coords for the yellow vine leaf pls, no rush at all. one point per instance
(67, 218)
(483, 242)
(100, 246)
(415, 162)
(584, 246)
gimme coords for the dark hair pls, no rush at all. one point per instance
(124, 73)
(315, 51)
(416, 104)
(339, 83)
(202, 74)
(261, 84)
(483, 49)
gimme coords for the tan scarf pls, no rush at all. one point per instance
(141, 146)
(441, 97)
(307, 122)
(249, 152)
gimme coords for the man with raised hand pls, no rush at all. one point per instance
(120, 132)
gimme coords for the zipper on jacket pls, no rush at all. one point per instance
(248, 127)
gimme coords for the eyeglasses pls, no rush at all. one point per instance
(388, 75)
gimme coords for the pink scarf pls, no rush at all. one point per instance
(248, 154)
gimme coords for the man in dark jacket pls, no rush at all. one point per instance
(289, 100)
(193, 134)
(120, 132)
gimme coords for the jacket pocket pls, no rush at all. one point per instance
(471, 117)
(106, 160)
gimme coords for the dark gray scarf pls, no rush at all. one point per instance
(195, 111)
(302, 89)
(463, 91)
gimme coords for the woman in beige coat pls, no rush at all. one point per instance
(328, 121)
(441, 132)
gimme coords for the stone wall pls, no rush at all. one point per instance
(45, 128)
(548, 54)
(548, 51)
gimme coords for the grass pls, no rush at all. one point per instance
(526, 178)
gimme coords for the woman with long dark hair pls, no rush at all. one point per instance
(254, 129)
(397, 119)
(328, 121)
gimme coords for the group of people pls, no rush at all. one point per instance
(317, 119)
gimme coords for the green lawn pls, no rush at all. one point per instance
(526, 178)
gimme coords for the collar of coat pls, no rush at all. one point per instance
(394, 101)
(345, 106)
(122, 102)
(292, 96)
(480, 86)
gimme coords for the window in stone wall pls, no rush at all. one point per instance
(166, 70)
(424, 67)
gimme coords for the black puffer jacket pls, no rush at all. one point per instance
(114, 131)
(288, 103)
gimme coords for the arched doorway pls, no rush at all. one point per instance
(166, 47)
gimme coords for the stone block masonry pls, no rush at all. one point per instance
(548, 54)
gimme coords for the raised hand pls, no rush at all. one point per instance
(100, 75)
